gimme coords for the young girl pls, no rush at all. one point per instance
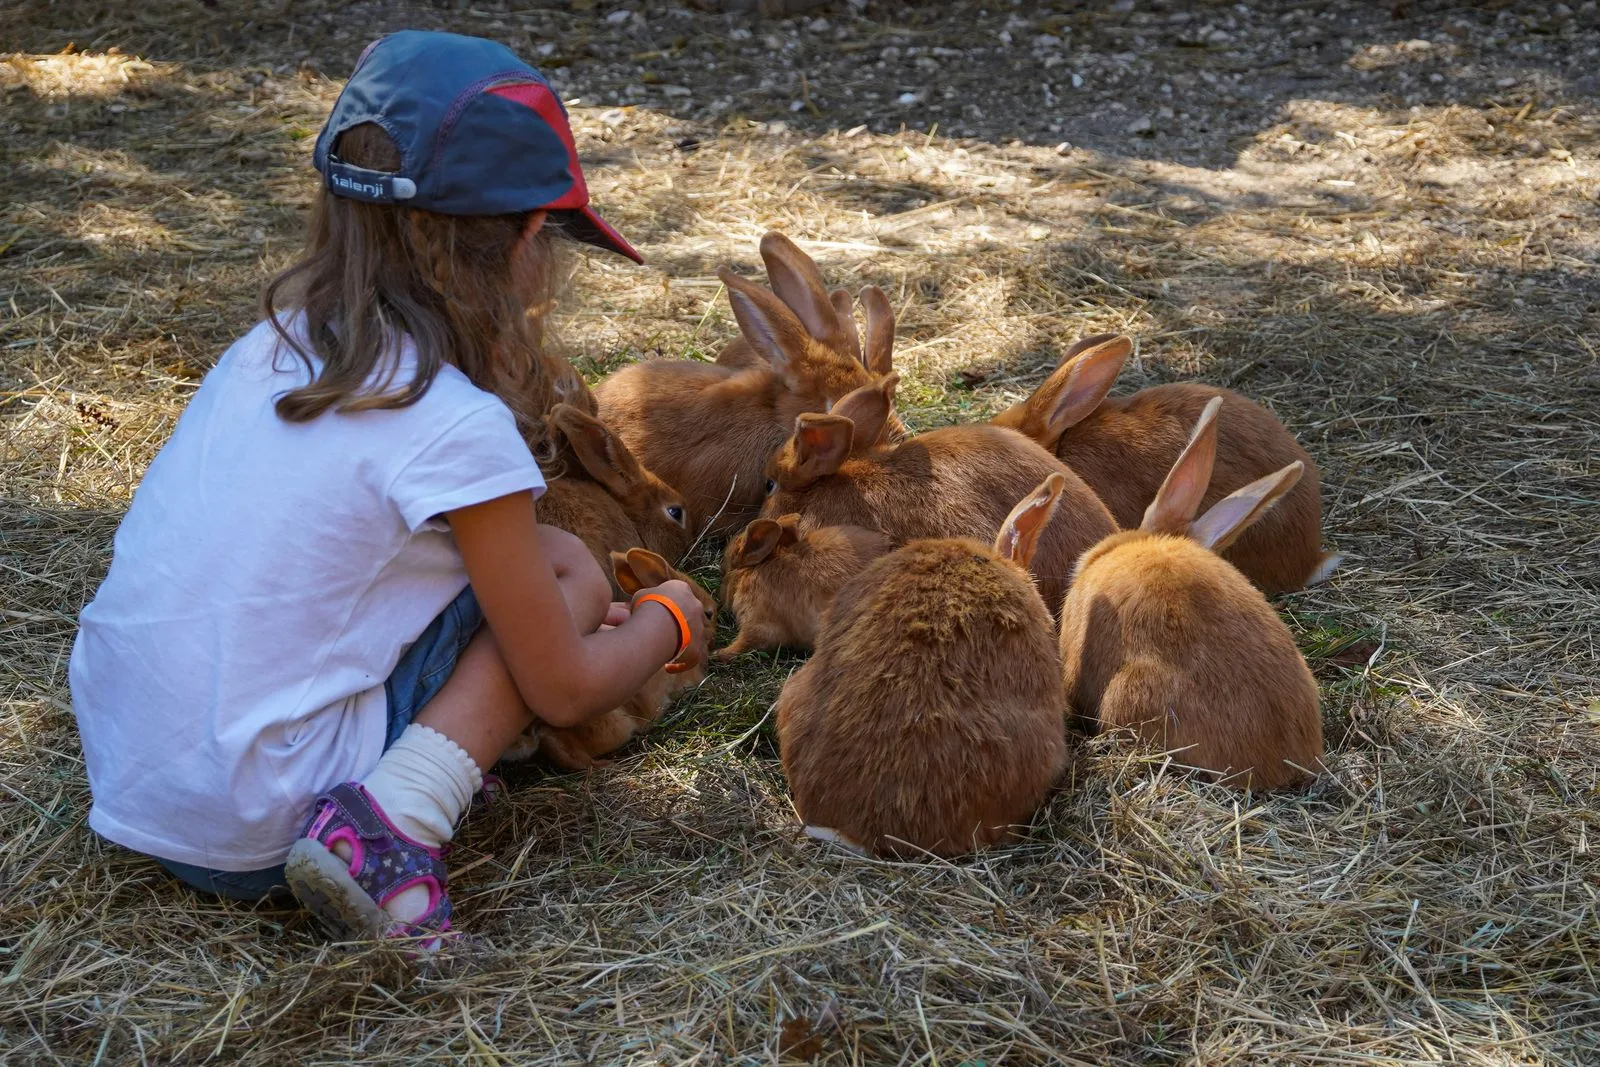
(285, 679)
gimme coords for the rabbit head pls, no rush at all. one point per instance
(658, 511)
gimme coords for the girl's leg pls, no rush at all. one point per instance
(426, 779)
(479, 708)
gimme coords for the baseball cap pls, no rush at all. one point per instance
(479, 131)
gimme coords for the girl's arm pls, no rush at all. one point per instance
(564, 676)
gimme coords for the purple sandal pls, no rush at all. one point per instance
(348, 898)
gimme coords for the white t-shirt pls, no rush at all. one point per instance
(264, 583)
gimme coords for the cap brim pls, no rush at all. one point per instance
(584, 225)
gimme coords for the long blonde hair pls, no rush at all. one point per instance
(372, 274)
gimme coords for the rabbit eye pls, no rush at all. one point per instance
(772, 486)
(675, 513)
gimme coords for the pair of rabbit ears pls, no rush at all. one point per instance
(600, 452)
(764, 537)
(798, 308)
(824, 440)
(1075, 388)
(1173, 510)
(640, 568)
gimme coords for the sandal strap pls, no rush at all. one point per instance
(356, 809)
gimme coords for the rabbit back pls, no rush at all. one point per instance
(1125, 448)
(930, 718)
(958, 481)
(1162, 637)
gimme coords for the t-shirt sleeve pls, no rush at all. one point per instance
(480, 457)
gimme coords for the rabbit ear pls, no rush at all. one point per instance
(795, 278)
(762, 538)
(868, 409)
(766, 322)
(821, 444)
(1019, 534)
(790, 525)
(1225, 520)
(880, 330)
(1085, 382)
(1083, 344)
(600, 452)
(639, 568)
(1179, 496)
(844, 312)
(627, 581)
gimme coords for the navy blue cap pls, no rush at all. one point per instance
(479, 131)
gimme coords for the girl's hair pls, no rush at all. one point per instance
(374, 273)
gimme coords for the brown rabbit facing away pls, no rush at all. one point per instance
(1162, 636)
(1123, 446)
(930, 718)
(612, 503)
(577, 748)
(779, 579)
(708, 430)
(956, 481)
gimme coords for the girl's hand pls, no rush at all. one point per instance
(683, 597)
(618, 613)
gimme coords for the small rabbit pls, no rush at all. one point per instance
(611, 502)
(1123, 446)
(779, 579)
(708, 429)
(957, 481)
(578, 748)
(1162, 636)
(930, 719)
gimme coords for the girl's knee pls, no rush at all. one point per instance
(583, 583)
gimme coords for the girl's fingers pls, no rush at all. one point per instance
(617, 613)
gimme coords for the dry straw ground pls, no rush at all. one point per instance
(1381, 223)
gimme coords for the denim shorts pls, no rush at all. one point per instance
(416, 679)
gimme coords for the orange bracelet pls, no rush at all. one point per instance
(677, 617)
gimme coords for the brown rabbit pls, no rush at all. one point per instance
(708, 430)
(578, 748)
(1123, 446)
(930, 718)
(958, 481)
(1162, 636)
(611, 502)
(779, 579)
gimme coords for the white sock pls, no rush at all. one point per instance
(423, 783)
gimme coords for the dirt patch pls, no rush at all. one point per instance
(1384, 227)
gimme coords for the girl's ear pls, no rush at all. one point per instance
(535, 223)
(821, 444)
(880, 330)
(793, 275)
(868, 409)
(769, 325)
(529, 276)
(1179, 496)
(639, 568)
(1082, 384)
(844, 311)
(601, 453)
(1225, 520)
(1019, 534)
